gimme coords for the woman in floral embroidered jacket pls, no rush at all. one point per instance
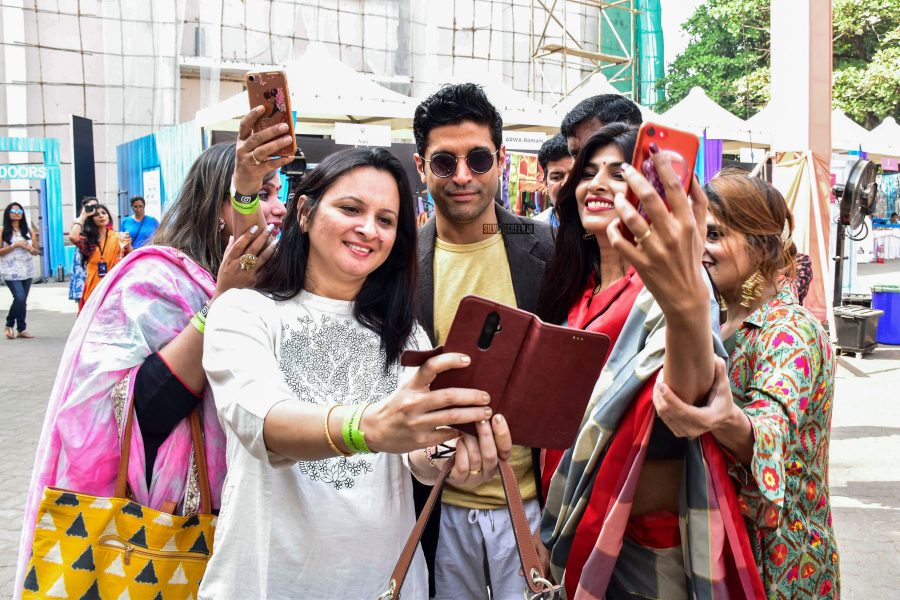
(771, 408)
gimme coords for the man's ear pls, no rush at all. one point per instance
(420, 166)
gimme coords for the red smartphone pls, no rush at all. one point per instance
(270, 89)
(682, 148)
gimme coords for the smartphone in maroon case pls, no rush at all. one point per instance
(540, 376)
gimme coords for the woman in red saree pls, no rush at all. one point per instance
(633, 512)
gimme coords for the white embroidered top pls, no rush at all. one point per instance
(322, 529)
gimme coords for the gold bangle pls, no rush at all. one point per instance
(330, 441)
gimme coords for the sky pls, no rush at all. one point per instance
(674, 13)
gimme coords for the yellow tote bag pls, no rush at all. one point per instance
(93, 548)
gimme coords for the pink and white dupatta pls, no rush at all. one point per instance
(144, 302)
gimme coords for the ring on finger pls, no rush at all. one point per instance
(256, 161)
(643, 237)
(248, 262)
(474, 471)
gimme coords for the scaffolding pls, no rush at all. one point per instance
(620, 39)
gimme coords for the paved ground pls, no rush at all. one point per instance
(865, 449)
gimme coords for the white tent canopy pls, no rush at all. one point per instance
(596, 85)
(884, 139)
(762, 123)
(516, 108)
(323, 87)
(698, 112)
(846, 134)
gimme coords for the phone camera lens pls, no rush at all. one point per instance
(651, 131)
(251, 78)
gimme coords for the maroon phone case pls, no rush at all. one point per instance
(540, 376)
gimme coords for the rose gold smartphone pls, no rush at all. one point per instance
(270, 89)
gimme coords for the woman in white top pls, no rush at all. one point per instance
(16, 267)
(311, 355)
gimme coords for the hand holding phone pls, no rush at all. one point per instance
(270, 90)
(665, 231)
(679, 147)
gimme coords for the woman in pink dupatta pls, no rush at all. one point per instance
(141, 312)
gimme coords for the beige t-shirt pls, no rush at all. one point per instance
(482, 269)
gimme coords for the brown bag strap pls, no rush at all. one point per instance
(537, 584)
(199, 457)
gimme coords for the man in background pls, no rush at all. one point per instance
(592, 113)
(556, 162)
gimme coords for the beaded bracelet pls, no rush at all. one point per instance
(328, 437)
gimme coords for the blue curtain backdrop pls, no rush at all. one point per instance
(172, 150)
(51, 195)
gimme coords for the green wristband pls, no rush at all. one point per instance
(245, 208)
(353, 437)
(199, 323)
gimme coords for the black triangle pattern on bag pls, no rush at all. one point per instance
(140, 538)
(158, 596)
(200, 545)
(85, 562)
(148, 575)
(93, 593)
(134, 509)
(193, 520)
(31, 582)
(67, 500)
(77, 528)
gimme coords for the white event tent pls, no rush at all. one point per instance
(517, 109)
(846, 134)
(597, 84)
(323, 89)
(884, 140)
(697, 112)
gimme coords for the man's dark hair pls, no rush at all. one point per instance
(577, 255)
(453, 104)
(553, 149)
(136, 198)
(606, 108)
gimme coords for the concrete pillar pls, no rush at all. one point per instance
(801, 75)
(801, 68)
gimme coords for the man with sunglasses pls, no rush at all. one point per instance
(473, 246)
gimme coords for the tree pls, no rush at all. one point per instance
(728, 55)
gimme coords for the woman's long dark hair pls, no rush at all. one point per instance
(8, 226)
(385, 303)
(577, 254)
(91, 233)
(191, 222)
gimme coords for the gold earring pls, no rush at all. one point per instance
(750, 289)
(722, 304)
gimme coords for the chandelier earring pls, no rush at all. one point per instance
(750, 289)
(221, 224)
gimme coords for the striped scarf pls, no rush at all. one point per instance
(591, 493)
